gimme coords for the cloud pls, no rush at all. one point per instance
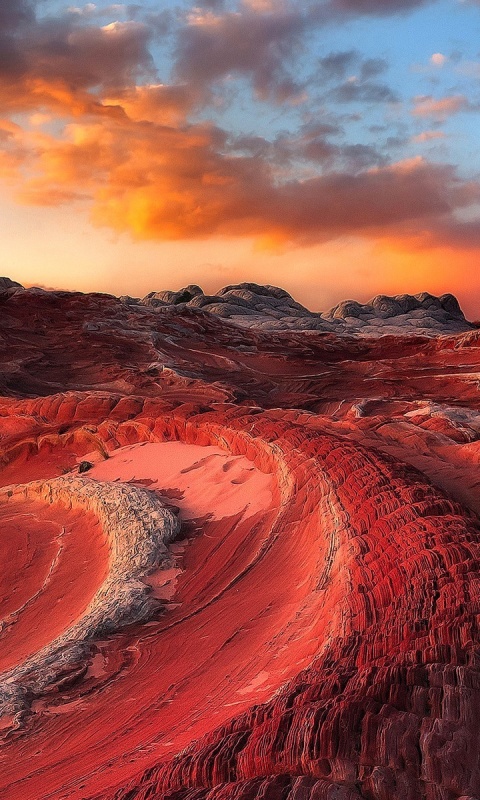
(212, 46)
(65, 65)
(122, 142)
(372, 67)
(159, 103)
(334, 66)
(470, 69)
(212, 5)
(313, 144)
(428, 136)
(337, 67)
(92, 10)
(12, 151)
(263, 5)
(46, 59)
(400, 196)
(202, 193)
(376, 7)
(354, 90)
(14, 14)
(66, 62)
(438, 59)
(189, 181)
(361, 156)
(428, 106)
(262, 40)
(87, 57)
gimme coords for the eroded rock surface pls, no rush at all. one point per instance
(137, 530)
(266, 583)
(270, 308)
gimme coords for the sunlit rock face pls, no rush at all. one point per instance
(240, 549)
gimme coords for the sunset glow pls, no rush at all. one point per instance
(329, 147)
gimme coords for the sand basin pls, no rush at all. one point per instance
(201, 481)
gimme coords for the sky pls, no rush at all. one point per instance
(328, 147)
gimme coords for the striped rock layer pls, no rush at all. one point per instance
(265, 584)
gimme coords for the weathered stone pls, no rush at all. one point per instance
(321, 638)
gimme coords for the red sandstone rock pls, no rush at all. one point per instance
(320, 609)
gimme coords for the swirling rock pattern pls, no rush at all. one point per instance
(266, 583)
(137, 530)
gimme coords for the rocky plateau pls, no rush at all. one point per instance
(240, 545)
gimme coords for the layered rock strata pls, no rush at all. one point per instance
(138, 531)
(319, 636)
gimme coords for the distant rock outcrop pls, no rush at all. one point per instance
(6, 283)
(271, 308)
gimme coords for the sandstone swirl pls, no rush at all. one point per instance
(137, 531)
(266, 585)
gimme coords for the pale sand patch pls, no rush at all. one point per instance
(208, 480)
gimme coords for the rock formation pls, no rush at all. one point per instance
(271, 308)
(265, 585)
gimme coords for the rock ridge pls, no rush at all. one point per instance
(138, 530)
(270, 308)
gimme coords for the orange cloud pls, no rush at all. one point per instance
(159, 103)
(178, 185)
(183, 181)
(126, 147)
(438, 59)
(428, 136)
(427, 106)
(12, 151)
